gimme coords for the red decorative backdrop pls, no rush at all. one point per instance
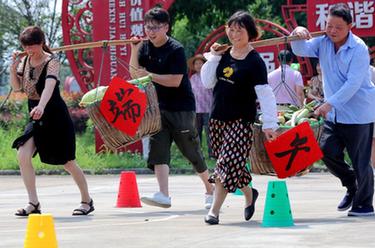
(90, 20)
(363, 13)
(289, 12)
(85, 21)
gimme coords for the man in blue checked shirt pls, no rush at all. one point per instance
(349, 107)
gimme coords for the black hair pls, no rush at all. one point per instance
(314, 62)
(245, 20)
(341, 10)
(157, 14)
(285, 55)
(34, 35)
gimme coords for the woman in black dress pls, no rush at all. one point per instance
(238, 77)
(50, 130)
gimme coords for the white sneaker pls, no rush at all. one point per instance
(158, 199)
(208, 199)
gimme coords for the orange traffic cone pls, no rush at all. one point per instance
(128, 196)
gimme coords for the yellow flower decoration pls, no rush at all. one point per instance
(228, 71)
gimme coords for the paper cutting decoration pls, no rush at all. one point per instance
(124, 106)
(294, 150)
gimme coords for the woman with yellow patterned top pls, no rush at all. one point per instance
(50, 130)
(238, 76)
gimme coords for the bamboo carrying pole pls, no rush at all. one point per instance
(104, 43)
(281, 40)
(94, 44)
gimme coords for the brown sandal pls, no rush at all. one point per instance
(83, 211)
(23, 212)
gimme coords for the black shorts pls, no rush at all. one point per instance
(178, 127)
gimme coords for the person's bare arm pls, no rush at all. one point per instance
(14, 80)
(168, 80)
(37, 112)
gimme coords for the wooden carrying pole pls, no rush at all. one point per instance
(94, 44)
(282, 40)
(104, 43)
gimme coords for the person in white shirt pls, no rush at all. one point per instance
(287, 84)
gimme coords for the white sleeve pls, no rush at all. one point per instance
(267, 106)
(208, 71)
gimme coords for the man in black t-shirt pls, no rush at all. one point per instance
(163, 58)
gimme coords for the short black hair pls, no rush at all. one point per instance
(341, 10)
(285, 55)
(157, 14)
(245, 20)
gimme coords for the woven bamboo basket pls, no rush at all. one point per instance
(259, 160)
(114, 138)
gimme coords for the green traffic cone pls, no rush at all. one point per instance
(277, 212)
(238, 191)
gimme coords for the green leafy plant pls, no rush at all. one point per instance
(14, 112)
(79, 115)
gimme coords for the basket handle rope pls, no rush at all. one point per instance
(104, 47)
(140, 82)
(283, 83)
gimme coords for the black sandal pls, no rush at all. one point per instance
(23, 212)
(82, 211)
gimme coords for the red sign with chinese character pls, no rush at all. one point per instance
(113, 20)
(293, 151)
(363, 13)
(123, 106)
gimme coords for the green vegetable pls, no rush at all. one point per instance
(302, 120)
(293, 107)
(302, 114)
(294, 116)
(93, 95)
(97, 94)
(281, 119)
(288, 123)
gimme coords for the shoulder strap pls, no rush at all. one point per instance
(42, 78)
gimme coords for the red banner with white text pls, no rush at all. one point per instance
(363, 13)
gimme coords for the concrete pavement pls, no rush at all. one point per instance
(313, 199)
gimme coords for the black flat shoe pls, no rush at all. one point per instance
(24, 212)
(249, 210)
(347, 201)
(83, 211)
(212, 220)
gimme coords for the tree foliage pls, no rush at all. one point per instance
(15, 15)
(193, 20)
